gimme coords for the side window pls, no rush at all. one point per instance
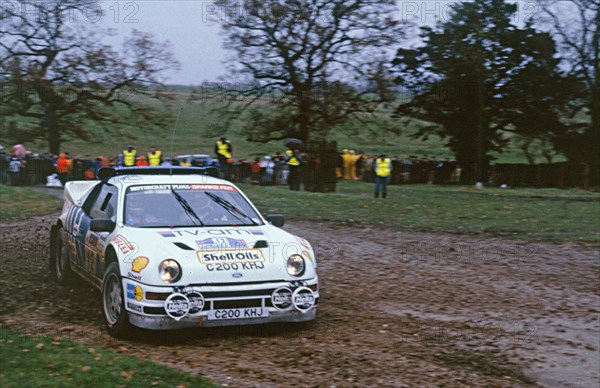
(106, 204)
(91, 199)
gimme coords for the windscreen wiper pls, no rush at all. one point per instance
(231, 208)
(188, 209)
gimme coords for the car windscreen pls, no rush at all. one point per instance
(185, 205)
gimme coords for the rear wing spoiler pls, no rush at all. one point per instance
(105, 173)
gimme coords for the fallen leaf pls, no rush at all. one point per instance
(85, 368)
(39, 346)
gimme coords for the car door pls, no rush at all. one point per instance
(78, 224)
(104, 207)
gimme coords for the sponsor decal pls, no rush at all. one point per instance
(231, 256)
(233, 232)
(177, 306)
(133, 276)
(139, 263)
(212, 232)
(307, 255)
(134, 307)
(130, 291)
(124, 245)
(134, 292)
(150, 187)
(215, 243)
(93, 239)
(281, 298)
(204, 187)
(138, 293)
(303, 242)
(196, 302)
(303, 299)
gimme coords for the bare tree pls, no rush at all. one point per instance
(576, 25)
(306, 54)
(58, 74)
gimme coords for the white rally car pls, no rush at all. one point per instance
(172, 248)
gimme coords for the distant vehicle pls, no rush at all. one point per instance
(198, 160)
(170, 247)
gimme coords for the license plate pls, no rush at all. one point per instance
(248, 312)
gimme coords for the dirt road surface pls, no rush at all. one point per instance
(397, 309)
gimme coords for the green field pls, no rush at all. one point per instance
(196, 125)
(552, 215)
(19, 203)
(527, 214)
(36, 361)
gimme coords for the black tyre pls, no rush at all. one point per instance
(64, 274)
(113, 303)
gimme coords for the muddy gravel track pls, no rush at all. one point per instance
(397, 309)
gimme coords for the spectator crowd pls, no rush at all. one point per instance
(29, 168)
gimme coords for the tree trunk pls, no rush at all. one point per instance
(53, 139)
(482, 165)
(304, 111)
(53, 129)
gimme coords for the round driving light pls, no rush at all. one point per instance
(177, 306)
(303, 299)
(196, 302)
(169, 271)
(281, 298)
(295, 265)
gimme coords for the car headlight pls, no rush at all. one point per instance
(295, 265)
(169, 271)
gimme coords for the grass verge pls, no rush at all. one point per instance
(41, 361)
(552, 215)
(17, 203)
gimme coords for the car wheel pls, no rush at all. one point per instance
(64, 274)
(113, 303)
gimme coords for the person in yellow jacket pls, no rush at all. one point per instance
(383, 171)
(293, 159)
(129, 156)
(154, 157)
(223, 149)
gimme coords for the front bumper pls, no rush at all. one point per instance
(147, 305)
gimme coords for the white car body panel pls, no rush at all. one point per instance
(219, 262)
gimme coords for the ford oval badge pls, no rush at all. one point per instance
(237, 275)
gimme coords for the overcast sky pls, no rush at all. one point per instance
(197, 42)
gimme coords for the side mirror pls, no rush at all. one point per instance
(276, 219)
(102, 226)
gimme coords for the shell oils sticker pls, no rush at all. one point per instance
(139, 263)
(230, 256)
(232, 259)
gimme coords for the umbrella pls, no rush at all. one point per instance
(18, 150)
(292, 142)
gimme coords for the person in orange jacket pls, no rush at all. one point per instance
(141, 161)
(62, 168)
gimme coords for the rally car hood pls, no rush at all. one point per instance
(211, 255)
